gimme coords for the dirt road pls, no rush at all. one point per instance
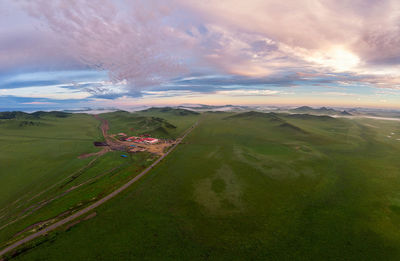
(104, 125)
(113, 145)
(94, 205)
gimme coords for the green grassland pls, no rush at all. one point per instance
(35, 152)
(253, 186)
(39, 158)
(158, 122)
(42, 179)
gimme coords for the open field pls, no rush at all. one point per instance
(46, 148)
(60, 181)
(254, 186)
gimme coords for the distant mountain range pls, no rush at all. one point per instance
(8, 115)
(320, 111)
(175, 111)
(373, 112)
(240, 108)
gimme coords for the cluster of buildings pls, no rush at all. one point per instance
(142, 139)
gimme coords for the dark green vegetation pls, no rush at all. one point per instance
(254, 186)
(33, 149)
(36, 115)
(158, 122)
(171, 111)
(42, 177)
(37, 151)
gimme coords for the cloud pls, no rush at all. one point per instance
(55, 92)
(249, 92)
(130, 42)
(283, 80)
(197, 47)
(336, 94)
(22, 84)
(8, 103)
(24, 46)
(39, 103)
(258, 37)
(148, 42)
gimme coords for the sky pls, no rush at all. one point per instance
(69, 54)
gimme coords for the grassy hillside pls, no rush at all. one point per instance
(181, 118)
(159, 122)
(133, 124)
(255, 186)
(37, 150)
(172, 111)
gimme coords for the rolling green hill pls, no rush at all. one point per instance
(158, 122)
(254, 186)
(7, 115)
(320, 111)
(180, 118)
(133, 124)
(179, 112)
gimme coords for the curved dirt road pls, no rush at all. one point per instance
(94, 205)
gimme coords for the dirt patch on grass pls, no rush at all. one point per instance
(158, 149)
(99, 153)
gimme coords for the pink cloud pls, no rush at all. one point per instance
(39, 103)
(130, 42)
(369, 29)
(150, 42)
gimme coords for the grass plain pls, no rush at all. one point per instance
(42, 178)
(254, 186)
(36, 152)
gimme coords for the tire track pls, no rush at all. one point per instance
(97, 203)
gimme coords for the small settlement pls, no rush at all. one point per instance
(134, 144)
(141, 139)
(141, 143)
